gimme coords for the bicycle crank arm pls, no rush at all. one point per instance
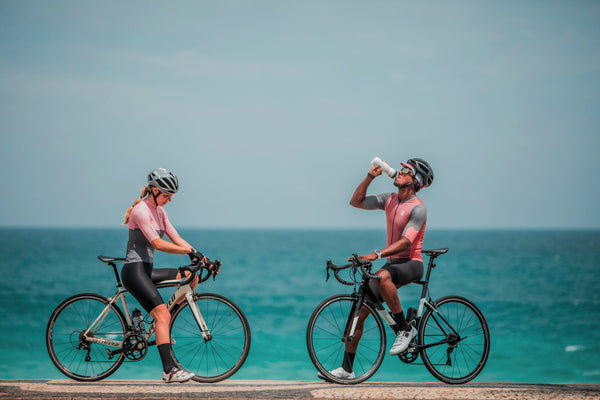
(112, 353)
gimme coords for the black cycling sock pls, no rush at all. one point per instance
(401, 321)
(165, 355)
(348, 361)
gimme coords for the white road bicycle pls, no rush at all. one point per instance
(88, 336)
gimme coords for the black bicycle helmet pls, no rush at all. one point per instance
(424, 169)
(164, 180)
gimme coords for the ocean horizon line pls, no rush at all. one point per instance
(307, 228)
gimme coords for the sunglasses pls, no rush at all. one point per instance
(406, 170)
(168, 196)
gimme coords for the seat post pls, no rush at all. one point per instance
(114, 266)
(430, 266)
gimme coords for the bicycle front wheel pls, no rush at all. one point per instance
(459, 340)
(224, 353)
(72, 354)
(324, 334)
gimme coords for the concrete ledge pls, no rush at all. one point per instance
(237, 389)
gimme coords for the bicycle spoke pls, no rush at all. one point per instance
(459, 340)
(326, 329)
(84, 360)
(224, 353)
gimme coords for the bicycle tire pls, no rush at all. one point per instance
(221, 356)
(463, 359)
(69, 352)
(324, 339)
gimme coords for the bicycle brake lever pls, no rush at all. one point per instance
(329, 263)
(216, 268)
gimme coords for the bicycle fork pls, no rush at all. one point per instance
(349, 332)
(188, 293)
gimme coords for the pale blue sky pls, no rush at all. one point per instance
(270, 111)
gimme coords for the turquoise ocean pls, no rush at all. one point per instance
(539, 291)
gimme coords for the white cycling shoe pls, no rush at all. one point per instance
(340, 373)
(177, 375)
(402, 341)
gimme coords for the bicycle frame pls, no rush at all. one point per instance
(184, 291)
(424, 302)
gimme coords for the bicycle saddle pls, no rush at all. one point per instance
(435, 252)
(110, 259)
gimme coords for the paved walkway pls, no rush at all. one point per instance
(237, 389)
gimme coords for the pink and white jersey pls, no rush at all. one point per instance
(146, 223)
(404, 218)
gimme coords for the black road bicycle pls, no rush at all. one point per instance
(453, 339)
(89, 336)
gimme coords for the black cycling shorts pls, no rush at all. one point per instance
(403, 272)
(139, 278)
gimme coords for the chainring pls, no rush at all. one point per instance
(135, 347)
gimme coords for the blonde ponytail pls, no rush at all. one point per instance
(145, 192)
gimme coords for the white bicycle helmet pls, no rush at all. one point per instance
(164, 180)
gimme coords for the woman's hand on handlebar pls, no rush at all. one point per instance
(196, 256)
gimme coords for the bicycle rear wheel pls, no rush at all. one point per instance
(73, 355)
(219, 357)
(324, 334)
(461, 325)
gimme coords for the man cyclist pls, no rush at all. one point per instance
(406, 219)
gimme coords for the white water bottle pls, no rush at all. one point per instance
(385, 167)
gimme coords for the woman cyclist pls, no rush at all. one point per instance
(148, 222)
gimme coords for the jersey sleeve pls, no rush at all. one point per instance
(142, 219)
(169, 229)
(376, 202)
(418, 217)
